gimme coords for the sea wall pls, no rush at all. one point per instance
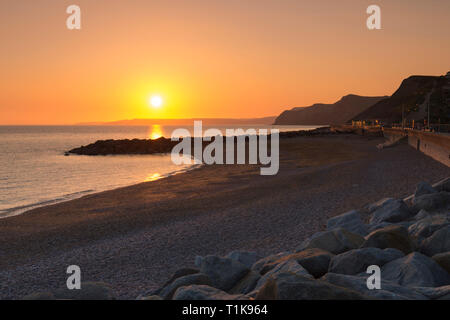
(433, 145)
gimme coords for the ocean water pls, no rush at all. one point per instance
(34, 171)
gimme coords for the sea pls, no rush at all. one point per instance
(35, 172)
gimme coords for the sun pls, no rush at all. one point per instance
(156, 101)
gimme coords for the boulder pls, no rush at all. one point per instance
(443, 259)
(289, 286)
(422, 214)
(443, 185)
(434, 202)
(392, 210)
(438, 242)
(246, 284)
(335, 241)
(423, 188)
(377, 226)
(434, 293)
(350, 221)
(415, 270)
(203, 292)
(389, 237)
(376, 205)
(357, 260)
(314, 260)
(245, 257)
(264, 265)
(197, 278)
(178, 274)
(388, 291)
(223, 272)
(427, 226)
(88, 291)
(290, 266)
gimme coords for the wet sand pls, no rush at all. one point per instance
(134, 238)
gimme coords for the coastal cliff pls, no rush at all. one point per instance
(325, 114)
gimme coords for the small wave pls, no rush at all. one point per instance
(14, 211)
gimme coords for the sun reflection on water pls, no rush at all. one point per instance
(153, 177)
(155, 132)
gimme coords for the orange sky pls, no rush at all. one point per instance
(214, 58)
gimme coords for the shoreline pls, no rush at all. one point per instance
(135, 237)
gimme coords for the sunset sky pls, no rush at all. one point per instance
(208, 58)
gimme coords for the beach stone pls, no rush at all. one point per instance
(423, 188)
(204, 292)
(39, 296)
(246, 284)
(438, 242)
(223, 272)
(434, 293)
(289, 286)
(392, 210)
(389, 237)
(388, 291)
(290, 266)
(264, 265)
(427, 226)
(335, 241)
(439, 201)
(374, 227)
(197, 278)
(357, 260)
(88, 291)
(178, 274)
(443, 259)
(245, 257)
(415, 270)
(350, 221)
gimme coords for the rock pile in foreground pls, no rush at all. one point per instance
(408, 239)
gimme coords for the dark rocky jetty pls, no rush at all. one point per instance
(163, 145)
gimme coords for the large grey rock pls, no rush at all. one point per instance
(415, 270)
(88, 291)
(264, 265)
(388, 291)
(443, 259)
(422, 214)
(314, 260)
(434, 293)
(223, 272)
(203, 292)
(357, 260)
(350, 221)
(376, 205)
(427, 226)
(197, 278)
(289, 286)
(290, 266)
(247, 258)
(335, 241)
(377, 226)
(178, 274)
(435, 202)
(423, 188)
(443, 185)
(390, 237)
(438, 242)
(392, 210)
(246, 284)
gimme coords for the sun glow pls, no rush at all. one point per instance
(156, 101)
